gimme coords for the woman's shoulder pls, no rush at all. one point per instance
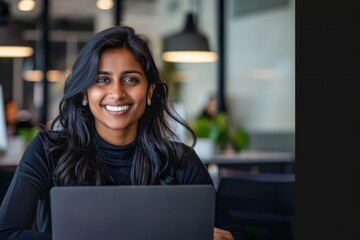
(188, 154)
(49, 142)
(46, 139)
(186, 150)
(181, 145)
(51, 135)
(192, 170)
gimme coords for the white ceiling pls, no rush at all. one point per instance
(78, 9)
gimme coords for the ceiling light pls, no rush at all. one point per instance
(11, 43)
(104, 4)
(26, 5)
(38, 75)
(33, 75)
(190, 45)
(55, 75)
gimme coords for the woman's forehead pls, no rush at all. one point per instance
(120, 57)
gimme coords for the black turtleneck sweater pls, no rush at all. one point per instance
(25, 210)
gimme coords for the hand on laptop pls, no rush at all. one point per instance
(220, 234)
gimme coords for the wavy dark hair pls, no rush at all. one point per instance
(78, 158)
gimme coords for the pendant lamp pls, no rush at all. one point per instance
(190, 45)
(11, 43)
(26, 5)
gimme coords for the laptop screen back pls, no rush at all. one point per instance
(3, 132)
(174, 212)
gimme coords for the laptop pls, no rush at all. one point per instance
(172, 212)
(3, 131)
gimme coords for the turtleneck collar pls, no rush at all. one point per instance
(115, 155)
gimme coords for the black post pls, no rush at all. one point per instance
(43, 57)
(118, 12)
(221, 56)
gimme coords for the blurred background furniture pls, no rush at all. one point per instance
(252, 161)
(263, 203)
(255, 161)
(9, 161)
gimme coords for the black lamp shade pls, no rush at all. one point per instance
(11, 43)
(190, 45)
(190, 39)
(10, 35)
(186, 41)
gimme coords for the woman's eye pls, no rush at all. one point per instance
(130, 80)
(102, 80)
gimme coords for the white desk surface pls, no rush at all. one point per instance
(252, 156)
(8, 161)
(13, 153)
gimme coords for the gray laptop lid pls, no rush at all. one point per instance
(175, 212)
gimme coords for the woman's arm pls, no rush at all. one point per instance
(19, 208)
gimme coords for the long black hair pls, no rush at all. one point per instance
(157, 152)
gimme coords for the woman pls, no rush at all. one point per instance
(112, 129)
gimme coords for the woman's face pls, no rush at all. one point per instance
(119, 97)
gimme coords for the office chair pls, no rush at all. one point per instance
(264, 203)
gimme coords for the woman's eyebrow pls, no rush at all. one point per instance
(104, 72)
(131, 71)
(122, 72)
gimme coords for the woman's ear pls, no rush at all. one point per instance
(84, 101)
(151, 90)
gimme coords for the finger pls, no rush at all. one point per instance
(220, 234)
(219, 230)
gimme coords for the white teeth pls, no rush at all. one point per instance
(117, 108)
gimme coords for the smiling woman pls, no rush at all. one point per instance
(114, 127)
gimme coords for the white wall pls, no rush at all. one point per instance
(257, 44)
(261, 43)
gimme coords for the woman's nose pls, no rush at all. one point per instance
(117, 91)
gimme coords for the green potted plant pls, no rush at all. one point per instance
(239, 139)
(211, 134)
(28, 133)
(218, 130)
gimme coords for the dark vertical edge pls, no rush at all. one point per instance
(43, 56)
(221, 56)
(327, 120)
(118, 12)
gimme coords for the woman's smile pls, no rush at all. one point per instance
(117, 108)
